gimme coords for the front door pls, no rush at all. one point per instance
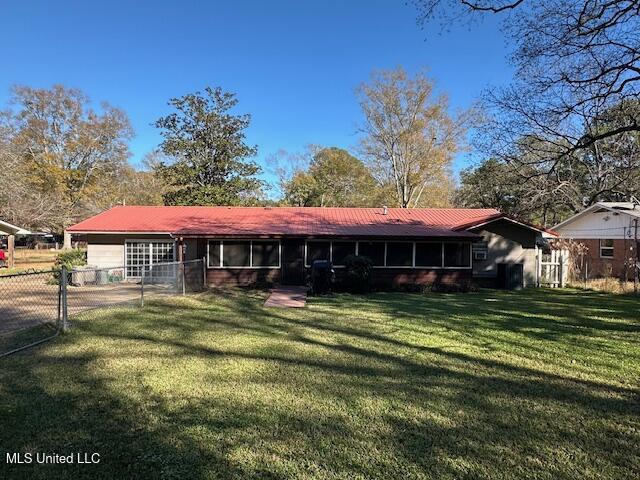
(293, 262)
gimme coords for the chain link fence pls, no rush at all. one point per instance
(36, 306)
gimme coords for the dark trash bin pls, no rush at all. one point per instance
(322, 277)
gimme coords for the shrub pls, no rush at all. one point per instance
(358, 273)
(70, 259)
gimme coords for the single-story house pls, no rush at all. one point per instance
(610, 232)
(244, 245)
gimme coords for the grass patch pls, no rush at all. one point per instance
(535, 384)
(29, 260)
(27, 336)
(607, 285)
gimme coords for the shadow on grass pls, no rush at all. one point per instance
(374, 386)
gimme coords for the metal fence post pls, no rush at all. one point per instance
(142, 288)
(184, 279)
(59, 320)
(64, 299)
(204, 273)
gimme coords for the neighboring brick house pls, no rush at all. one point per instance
(610, 231)
(245, 245)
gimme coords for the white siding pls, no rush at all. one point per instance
(105, 255)
(597, 225)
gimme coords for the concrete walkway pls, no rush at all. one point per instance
(287, 296)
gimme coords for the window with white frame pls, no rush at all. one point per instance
(243, 254)
(375, 251)
(606, 248)
(265, 254)
(340, 250)
(394, 254)
(457, 255)
(236, 253)
(399, 254)
(141, 255)
(214, 255)
(480, 250)
(317, 250)
(429, 254)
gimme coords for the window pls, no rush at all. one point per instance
(236, 253)
(606, 248)
(265, 254)
(137, 257)
(429, 254)
(243, 254)
(480, 255)
(373, 250)
(399, 254)
(214, 254)
(480, 251)
(317, 251)
(341, 250)
(457, 255)
(140, 255)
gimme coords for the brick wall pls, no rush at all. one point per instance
(242, 276)
(602, 266)
(382, 277)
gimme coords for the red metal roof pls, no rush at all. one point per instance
(286, 221)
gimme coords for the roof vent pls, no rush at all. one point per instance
(384, 210)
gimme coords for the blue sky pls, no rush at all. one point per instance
(293, 64)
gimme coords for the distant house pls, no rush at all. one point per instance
(7, 229)
(244, 245)
(7, 239)
(610, 231)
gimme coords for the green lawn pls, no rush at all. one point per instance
(538, 384)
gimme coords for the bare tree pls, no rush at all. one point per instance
(409, 137)
(574, 61)
(286, 165)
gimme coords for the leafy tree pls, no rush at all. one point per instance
(206, 142)
(409, 137)
(492, 184)
(132, 187)
(301, 190)
(496, 184)
(57, 151)
(334, 179)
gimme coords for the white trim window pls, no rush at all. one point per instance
(236, 253)
(399, 254)
(340, 250)
(376, 251)
(428, 254)
(141, 255)
(480, 251)
(457, 255)
(393, 254)
(606, 248)
(316, 250)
